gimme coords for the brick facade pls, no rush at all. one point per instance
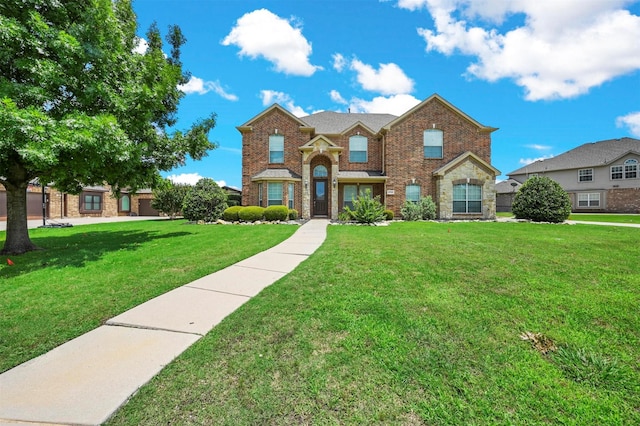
(395, 157)
(626, 200)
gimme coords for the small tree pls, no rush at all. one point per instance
(367, 209)
(169, 198)
(541, 199)
(205, 201)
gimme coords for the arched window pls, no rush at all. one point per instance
(320, 171)
(125, 203)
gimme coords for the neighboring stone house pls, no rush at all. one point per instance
(92, 201)
(599, 176)
(319, 163)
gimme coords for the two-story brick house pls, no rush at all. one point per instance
(319, 163)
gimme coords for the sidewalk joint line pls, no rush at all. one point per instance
(146, 327)
(217, 291)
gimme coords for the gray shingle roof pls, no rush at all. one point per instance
(359, 174)
(276, 174)
(588, 155)
(333, 123)
(506, 187)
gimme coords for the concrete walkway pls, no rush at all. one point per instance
(85, 380)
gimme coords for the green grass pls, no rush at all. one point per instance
(613, 218)
(90, 273)
(421, 323)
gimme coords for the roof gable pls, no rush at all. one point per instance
(437, 98)
(337, 123)
(248, 125)
(467, 156)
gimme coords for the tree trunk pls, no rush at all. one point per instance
(17, 236)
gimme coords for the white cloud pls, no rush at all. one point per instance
(632, 121)
(337, 97)
(563, 49)
(389, 79)
(141, 46)
(539, 147)
(338, 62)
(263, 34)
(191, 179)
(525, 161)
(271, 96)
(396, 105)
(198, 85)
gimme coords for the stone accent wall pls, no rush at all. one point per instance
(476, 175)
(405, 155)
(624, 200)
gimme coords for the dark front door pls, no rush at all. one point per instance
(320, 204)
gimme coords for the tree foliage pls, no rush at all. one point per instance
(79, 107)
(541, 199)
(206, 201)
(169, 197)
(424, 209)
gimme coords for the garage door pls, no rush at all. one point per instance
(145, 209)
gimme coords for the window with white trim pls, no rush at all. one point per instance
(274, 194)
(358, 149)
(589, 199)
(260, 194)
(631, 169)
(276, 149)
(467, 198)
(433, 142)
(585, 175)
(412, 193)
(617, 172)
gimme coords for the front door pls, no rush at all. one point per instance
(320, 204)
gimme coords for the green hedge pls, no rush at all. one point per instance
(231, 214)
(274, 213)
(251, 213)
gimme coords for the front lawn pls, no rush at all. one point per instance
(611, 217)
(423, 323)
(90, 273)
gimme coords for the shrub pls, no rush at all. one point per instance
(169, 198)
(251, 213)
(367, 209)
(428, 208)
(293, 214)
(411, 211)
(274, 213)
(424, 209)
(231, 214)
(541, 199)
(205, 201)
(344, 216)
(388, 214)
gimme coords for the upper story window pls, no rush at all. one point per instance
(358, 149)
(433, 143)
(413, 193)
(629, 170)
(276, 149)
(585, 175)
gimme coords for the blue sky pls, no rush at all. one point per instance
(551, 75)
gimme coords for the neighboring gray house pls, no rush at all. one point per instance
(505, 193)
(599, 176)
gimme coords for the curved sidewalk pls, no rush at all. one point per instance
(85, 380)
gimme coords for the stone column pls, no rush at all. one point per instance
(306, 191)
(334, 191)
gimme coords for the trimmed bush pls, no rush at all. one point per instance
(205, 201)
(231, 214)
(541, 199)
(344, 216)
(388, 214)
(251, 213)
(293, 214)
(274, 213)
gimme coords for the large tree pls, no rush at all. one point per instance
(79, 106)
